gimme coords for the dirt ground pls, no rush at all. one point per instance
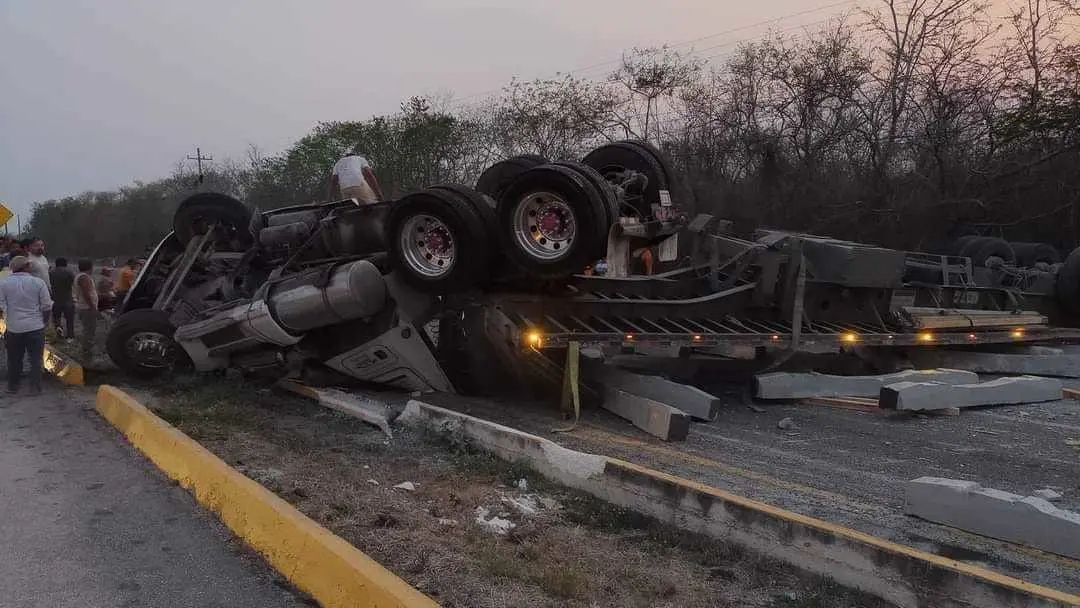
(472, 531)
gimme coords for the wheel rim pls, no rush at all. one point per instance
(150, 349)
(544, 226)
(428, 246)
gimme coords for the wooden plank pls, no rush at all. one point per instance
(1070, 393)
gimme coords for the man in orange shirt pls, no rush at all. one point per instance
(127, 277)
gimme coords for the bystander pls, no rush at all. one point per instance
(39, 264)
(86, 306)
(25, 302)
(62, 279)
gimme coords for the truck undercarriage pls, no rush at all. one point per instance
(356, 289)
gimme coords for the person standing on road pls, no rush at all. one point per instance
(86, 306)
(39, 264)
(62, 280)
(25, 302)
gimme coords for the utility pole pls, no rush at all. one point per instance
(199, 158)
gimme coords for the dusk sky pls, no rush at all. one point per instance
(96, 94)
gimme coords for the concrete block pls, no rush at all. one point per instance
(1019, 519)
(655, 418)
(688, 399)
(918, 396)
(783, 385)
(1065, 365)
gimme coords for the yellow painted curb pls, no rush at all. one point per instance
(66, 369)
(316, 561)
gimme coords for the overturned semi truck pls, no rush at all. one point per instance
(355, 291)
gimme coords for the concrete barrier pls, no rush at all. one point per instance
(786, 385)
(901, 575)
(313, 559)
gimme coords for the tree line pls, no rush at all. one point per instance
(901, 125)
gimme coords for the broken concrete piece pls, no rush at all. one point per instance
(493, 523)
(1047, 494)
(1020, 519)
(406, 485)
(653, 417)
(786, 423)
(1065, 365)
(690, 400)
(784, 385)
(353, 405)
(917, 396)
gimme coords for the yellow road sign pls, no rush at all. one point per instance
(5, 214)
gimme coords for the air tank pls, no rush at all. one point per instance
(321, 297)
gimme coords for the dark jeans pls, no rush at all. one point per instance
(27, 344)
(67, 311)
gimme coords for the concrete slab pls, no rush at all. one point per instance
(783, 385)
(357, 406)
(918, 396)
(655, 418)
(1065, 365)
(1026, 520)
(691, 400)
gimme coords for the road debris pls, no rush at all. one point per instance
(493, 523)
(1047, 494)
(406, 485)
(787, 424)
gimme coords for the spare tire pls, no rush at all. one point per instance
(553, 222)
(958, 245)
(439, 241)
(141, 343)
(613, 161)
(983, 248)
(1030, 254)
(198, 211)
(494, 180)
(1067, 286)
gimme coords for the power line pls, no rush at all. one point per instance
(461, 101)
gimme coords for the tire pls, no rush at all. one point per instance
(958, 245)
(153, 325)
(1030, 254)
(485, 207)
(461, 257)
(993, 247)
(983, 248)
(611, 159)
(495, 179)
(602, 186)
(213, 206)
(563, 191)
(1067, 287)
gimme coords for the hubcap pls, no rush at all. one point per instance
(150, 349)
(428, 247)
(544, 226)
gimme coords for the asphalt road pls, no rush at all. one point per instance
(86, 522)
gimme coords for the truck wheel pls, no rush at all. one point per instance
(1030, 254)
(439, 241)
(983, 248)
(197, 212)
(1067, 287)
(602, 186)
(618, 161)
(958, 245)
(141, 343)
(494, 180)
(485, 207)
(552, 221)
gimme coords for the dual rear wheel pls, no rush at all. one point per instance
(546, 220)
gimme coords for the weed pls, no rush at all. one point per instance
(563, 581)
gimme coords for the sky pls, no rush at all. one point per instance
(95, 94)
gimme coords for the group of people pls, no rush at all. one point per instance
(32, 293)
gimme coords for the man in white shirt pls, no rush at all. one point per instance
(39, 264)
(25, 303)
(353, 177)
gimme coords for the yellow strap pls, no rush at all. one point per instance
(571, 394)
